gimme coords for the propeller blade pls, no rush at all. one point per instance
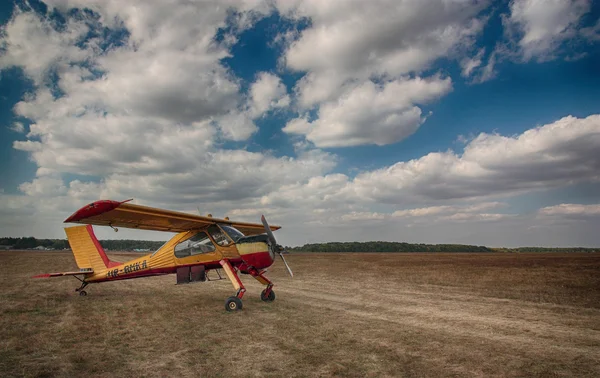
(269, 232)
(276, 248)
(286, 265)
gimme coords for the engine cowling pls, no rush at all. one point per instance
(256, 252)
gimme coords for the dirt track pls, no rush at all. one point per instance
(347, 315)
(511, 332)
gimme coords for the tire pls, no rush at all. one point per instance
(270, 298)
(82, 293)
(233, 304)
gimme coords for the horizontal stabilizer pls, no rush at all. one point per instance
(48, 275)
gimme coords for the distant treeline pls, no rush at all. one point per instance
(372, 246)
(543, 249)
(381, 246)
(115, 245)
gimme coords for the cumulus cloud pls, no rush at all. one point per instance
(165, 67)
(553, 155)
(26, 36)
(236, 125)
(267, 93)
(343, 43)
(143, 116)
(371, 113)
(540, 27)
(354, 67)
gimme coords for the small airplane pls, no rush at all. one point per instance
(202, 244)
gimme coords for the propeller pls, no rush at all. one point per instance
(276, 247)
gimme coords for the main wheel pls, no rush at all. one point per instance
(82, 293)
(233, 304)
(269, 298)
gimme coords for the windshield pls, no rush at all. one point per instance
(232, 232)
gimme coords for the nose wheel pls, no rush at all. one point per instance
(267, 296)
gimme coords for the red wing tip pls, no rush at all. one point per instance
(94, 208)
(46, 275)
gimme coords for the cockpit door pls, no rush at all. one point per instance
(224, 242)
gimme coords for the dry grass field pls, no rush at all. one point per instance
(342, 314)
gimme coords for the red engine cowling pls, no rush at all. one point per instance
(256, 253)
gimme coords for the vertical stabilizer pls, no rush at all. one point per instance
(87, 250)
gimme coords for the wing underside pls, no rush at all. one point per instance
(123, 214)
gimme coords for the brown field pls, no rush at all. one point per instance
(342, 314)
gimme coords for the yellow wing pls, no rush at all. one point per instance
(123, 214)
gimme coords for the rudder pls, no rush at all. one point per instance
(86, 249)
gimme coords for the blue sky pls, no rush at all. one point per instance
(470, 122)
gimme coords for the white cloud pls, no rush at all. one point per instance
(470, 217)
(469, 64)
(17, 127)
(355, 67)
(237, 126)
(541, 26)
(371, 113)
(571, 211)
(32, 43)
(553, 155)
(550, 156)
(149, 126)
(488, 72)
(267, 93)
(453, 213)
(44, 187)
(438, 210)
(353, 41)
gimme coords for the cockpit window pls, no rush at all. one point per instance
(218, 236)
(199, 243)
(232, 232)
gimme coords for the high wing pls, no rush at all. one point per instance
(123, 214)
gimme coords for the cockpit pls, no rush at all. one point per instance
(223, 235)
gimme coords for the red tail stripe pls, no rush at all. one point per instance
(107, 262)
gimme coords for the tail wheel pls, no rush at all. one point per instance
(82, 293)
(233, 304)
(267, 298)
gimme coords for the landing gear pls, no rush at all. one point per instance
(233, 304)
(267, 296)
(82, 293)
